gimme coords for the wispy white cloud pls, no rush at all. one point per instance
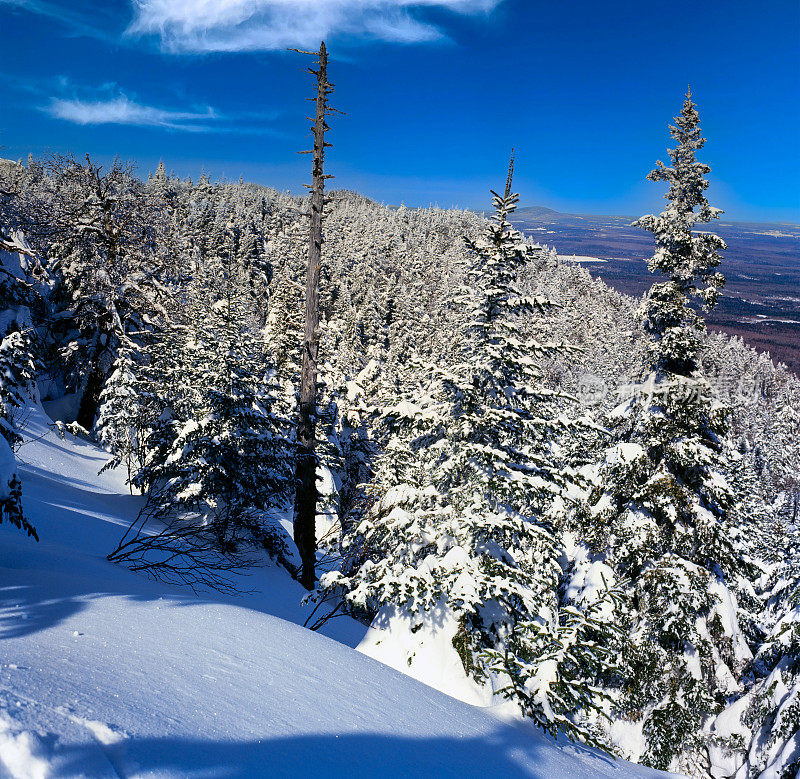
(251, 25)
(120, 109)
(79, 19)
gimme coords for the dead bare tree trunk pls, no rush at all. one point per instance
(306, 474)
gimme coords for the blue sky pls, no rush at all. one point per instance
(436, 92)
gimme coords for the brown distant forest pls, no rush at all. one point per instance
(760, 301)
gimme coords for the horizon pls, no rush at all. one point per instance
(209, 87)
(142, 175)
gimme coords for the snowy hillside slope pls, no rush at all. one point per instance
(106, 674)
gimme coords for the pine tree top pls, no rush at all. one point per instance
(686, 175)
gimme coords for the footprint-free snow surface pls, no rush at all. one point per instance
(104, 673)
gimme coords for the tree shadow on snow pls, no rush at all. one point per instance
(43, 584)
(505, 753)
(34, 599)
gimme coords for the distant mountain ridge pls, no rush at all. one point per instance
(535, 212)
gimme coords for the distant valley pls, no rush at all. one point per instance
(760, 302)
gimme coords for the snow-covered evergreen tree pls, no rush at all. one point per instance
(459, 539)
(768, 715)
(16, 380)
(218, 464)
(121, 423)
(664, 506)
(17, 373)
(20, 291)
(283, 320)
(758, 733)
(11, 492)
(108, 275)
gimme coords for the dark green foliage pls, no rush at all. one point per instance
(11, 507)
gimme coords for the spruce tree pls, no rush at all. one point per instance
(218, 466)
(17, 373)
(664, 505)
(461, 533)
(17, 376)
(773, 715)
(11, 492)
(120, 425)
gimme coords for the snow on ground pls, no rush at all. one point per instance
(426, 653)
(579, 258)
(104, 673)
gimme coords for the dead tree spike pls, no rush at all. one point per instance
(510, 174)
(305, 509)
